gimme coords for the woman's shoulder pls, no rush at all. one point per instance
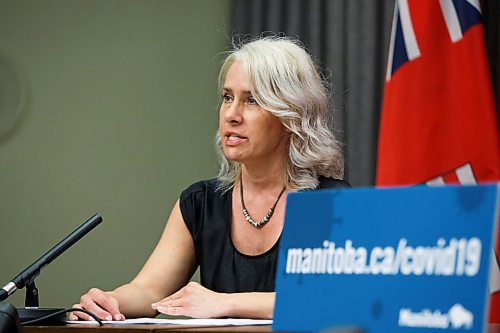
(329, 182)
(201, 202)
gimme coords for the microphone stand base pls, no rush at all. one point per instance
(29, 314)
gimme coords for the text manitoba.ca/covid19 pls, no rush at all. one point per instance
(454, 258)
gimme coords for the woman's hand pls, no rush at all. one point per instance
(100, 303)
(193, 301)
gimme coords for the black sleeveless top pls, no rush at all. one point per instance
(207, 214)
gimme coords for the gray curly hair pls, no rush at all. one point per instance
(285, 82)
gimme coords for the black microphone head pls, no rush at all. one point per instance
(9, 319)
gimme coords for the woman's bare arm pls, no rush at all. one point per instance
(169, 268)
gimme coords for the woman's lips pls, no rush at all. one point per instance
(234, 139)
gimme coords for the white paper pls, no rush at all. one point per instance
(183, 322)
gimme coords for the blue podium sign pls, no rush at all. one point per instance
(386, 260)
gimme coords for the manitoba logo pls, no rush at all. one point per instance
(457, 317)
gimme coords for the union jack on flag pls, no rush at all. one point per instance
(438, 123)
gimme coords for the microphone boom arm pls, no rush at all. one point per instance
(27, 277)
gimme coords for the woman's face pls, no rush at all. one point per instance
(248, 133)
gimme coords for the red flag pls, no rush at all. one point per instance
(438, 122)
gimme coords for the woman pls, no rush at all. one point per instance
(273, 139)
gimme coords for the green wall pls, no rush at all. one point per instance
(119, 117)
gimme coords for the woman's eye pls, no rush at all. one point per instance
(252, 101)
(226, 98)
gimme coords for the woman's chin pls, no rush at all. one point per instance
(234, 159)
(231, 156)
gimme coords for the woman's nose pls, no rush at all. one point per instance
(233, 113)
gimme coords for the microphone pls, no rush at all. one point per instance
(27, 277)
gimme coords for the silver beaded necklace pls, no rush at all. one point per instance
(269, 214)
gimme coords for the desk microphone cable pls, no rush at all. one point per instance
(34, 321)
